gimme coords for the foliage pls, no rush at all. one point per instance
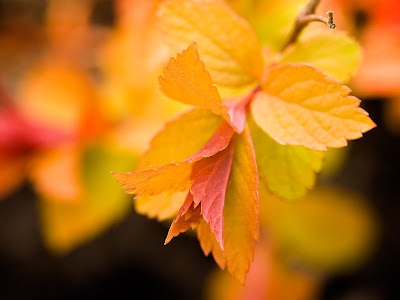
(292, 111)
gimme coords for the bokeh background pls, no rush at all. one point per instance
(79, 98)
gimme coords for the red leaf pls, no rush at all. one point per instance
(209, 179)
(237, 110)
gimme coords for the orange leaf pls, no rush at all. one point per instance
(181, 224)
(55, 174)
(241, 208)
(300, 105)
(173, 177)
(209, 179)
(209, 244)
(186, 80)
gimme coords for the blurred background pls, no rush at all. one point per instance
(79, 98)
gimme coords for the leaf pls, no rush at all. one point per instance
(19, 132)
(273, 20)
(190, 131)
(162, 206)
(240, 212)
(331, 51)
(209, 244)
(237, 110)
(173, 177)
(64, 105)
(67, 225)
(56, 175)
(227, 43)
(163, 179)
(188, 216)
(209, 179)
(186, 80)
(288, 171)
(241, 208)
(299, 105)
(330, 230)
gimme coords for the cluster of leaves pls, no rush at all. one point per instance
(209, 163)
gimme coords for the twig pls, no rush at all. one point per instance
(307, 15)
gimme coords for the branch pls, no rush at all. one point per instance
(307, 15)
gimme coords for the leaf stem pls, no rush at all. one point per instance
(307, 15)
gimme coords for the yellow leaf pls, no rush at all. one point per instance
(162, 206)
(66, 226)
(300, 105)
(329, 229)
(288, 171)
(331, 51)
(186, 80)
(226, 42)
(180, 138)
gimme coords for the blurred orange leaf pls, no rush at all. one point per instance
(66, 225)
(55, 174)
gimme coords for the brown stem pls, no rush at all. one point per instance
(307, 15)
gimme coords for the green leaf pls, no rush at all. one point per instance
(288, 171)
(331, 51)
